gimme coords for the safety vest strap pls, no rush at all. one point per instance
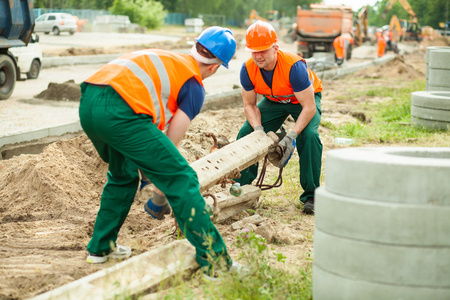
(281, 90)
(159, 103)
(149, 81)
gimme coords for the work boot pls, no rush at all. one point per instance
(157, 211)
(121, 252)
(308, 207)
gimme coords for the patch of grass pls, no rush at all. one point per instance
(350, 94)
(263, 282)
(390, 119)
(327, 124)
(286, 195)
(380, 92)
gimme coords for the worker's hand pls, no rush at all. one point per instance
(259, 128)
(157, 207)
(288, 145)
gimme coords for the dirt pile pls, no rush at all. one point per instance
(59, 183)
(183, 43)
(438, 41)
(66, 91)
(397, 68)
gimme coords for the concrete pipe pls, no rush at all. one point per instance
(382, 225)
(431, 109)
(438, 68)
(427, 61)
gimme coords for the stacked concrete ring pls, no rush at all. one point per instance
(427, 61)
(382, 225)
(438, 68)
(431, 109)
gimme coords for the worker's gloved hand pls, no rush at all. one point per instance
(259, 127)
(288, 145)
(157, 207)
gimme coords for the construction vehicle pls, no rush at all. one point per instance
(396, 27)
(316, 29)
(271, 18)
(362, 26)
(16, 27)
(411, 29)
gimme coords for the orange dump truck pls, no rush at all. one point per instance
(317, 28)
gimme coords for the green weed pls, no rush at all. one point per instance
(263, 282)
(390, 120)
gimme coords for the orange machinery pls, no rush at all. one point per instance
(318, 27)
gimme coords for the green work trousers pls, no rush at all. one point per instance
(309, 146)
(128, 142)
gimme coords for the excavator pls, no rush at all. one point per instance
(413, 31)
(361, 26)
(396, 28)
(271, 17)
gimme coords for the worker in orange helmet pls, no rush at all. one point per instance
(124, 108)
(342, 46)
(289, 88)
(381, 43)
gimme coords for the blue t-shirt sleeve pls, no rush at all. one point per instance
(191, 97)
(299, 76)
(245, 79)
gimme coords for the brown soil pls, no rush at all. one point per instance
(49, 201)
(124, 49)
(66, 91)
(397, 68)
(183, 43)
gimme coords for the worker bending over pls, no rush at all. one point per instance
(342, 47)
(124, 109)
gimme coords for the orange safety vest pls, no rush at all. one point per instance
(281, 90)
(381, 43)
(339, 44)
(149, 81)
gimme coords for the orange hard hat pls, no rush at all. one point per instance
(260, 36)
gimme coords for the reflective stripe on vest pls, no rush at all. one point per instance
(149, 81)
(149, 84)
(281, 90)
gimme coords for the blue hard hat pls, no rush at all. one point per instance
(220, 42)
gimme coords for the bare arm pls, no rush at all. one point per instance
(252, 112)
(178, 127)
(306, 99)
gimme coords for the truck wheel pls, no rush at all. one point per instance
(34, 69)
(55, 31)
(7, 76)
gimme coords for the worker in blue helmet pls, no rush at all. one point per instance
(124, 109)
(214, 38)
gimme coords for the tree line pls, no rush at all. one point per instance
(429, 12)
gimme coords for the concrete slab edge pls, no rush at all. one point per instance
(350, 70)
(130, 277)
(40, 133)
(50, 62)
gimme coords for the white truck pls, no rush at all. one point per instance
(29, 58)
(16, 27)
